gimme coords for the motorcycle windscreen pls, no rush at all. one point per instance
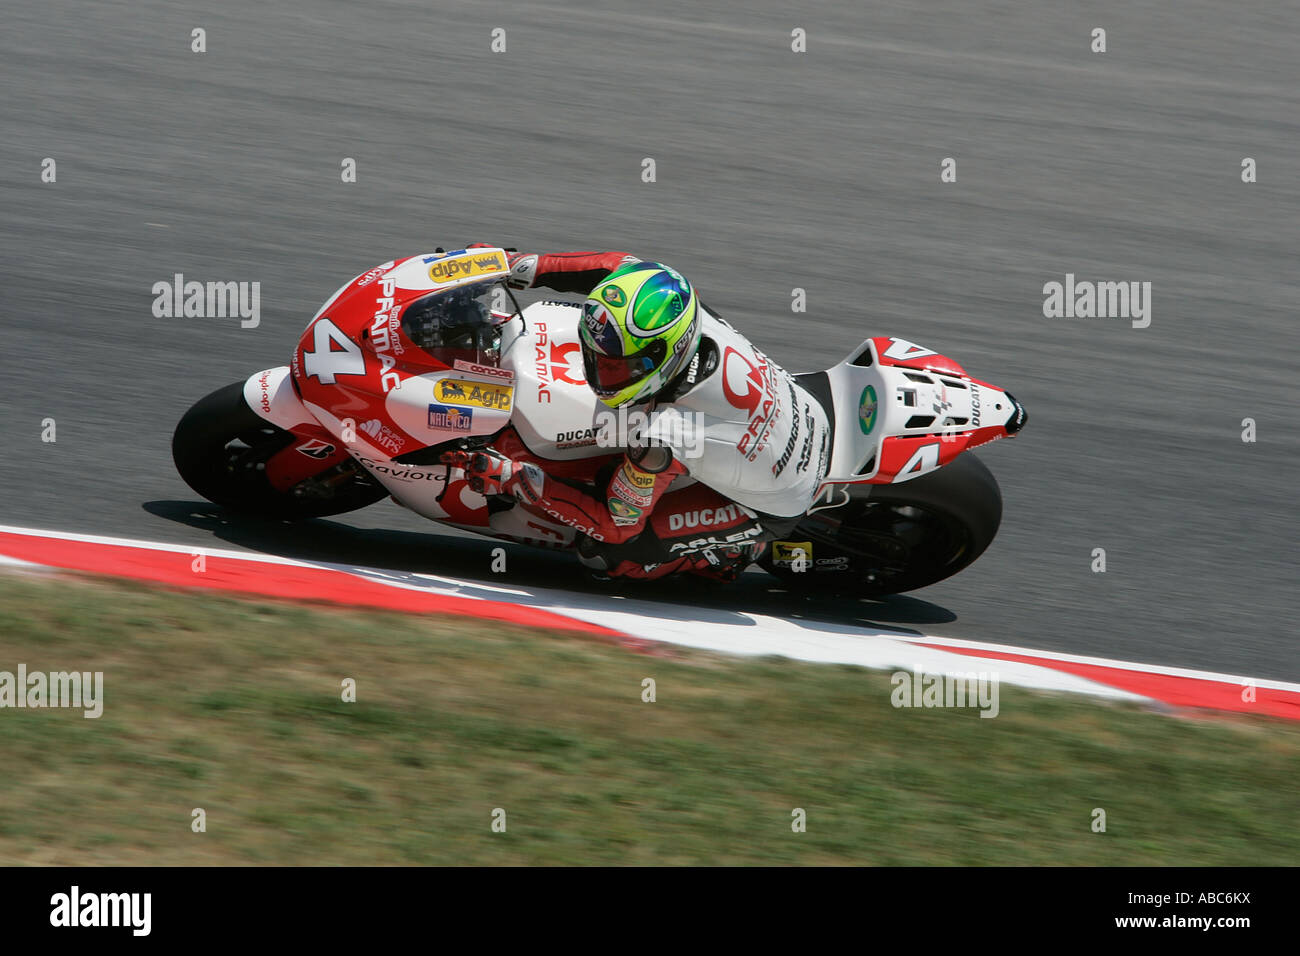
(459, 323)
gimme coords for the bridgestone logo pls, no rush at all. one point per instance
(794, 433)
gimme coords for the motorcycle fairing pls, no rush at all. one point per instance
(556, 414)
(902, 410)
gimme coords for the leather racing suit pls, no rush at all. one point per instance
(732, 455)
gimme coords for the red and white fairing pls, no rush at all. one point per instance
(903, 410)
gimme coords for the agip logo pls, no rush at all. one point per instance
(791, 553)
(467, 267)
(455, 391)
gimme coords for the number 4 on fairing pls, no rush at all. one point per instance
(924, 459)
(325, 362)
(903, 350)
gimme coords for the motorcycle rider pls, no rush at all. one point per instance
(648, 343)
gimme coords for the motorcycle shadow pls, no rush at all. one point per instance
(468, 560)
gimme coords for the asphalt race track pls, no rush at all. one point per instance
(775, 170)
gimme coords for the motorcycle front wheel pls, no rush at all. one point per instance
(221, 447)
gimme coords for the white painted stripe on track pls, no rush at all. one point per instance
(731, 632)
(1106, 662)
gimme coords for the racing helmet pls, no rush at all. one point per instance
(640, 326)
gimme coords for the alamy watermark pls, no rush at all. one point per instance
(208, 300)
(78, 689)
(952, 689)
(75, 908)
(1073, 299)
(669, 427)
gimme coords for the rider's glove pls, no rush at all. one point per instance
(523, 270)
(488, 473)
(491, 474)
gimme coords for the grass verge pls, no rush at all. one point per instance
(235, 707)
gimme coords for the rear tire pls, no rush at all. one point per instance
(221, 447)
(898, 537)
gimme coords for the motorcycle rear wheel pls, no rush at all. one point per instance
(894, 538)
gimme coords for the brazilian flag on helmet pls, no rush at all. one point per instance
(640, 327)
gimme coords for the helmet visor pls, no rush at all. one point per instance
(610, 374)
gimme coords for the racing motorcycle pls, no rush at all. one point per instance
(371, 401)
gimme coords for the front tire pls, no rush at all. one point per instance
(221, 447)
(898, 537)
